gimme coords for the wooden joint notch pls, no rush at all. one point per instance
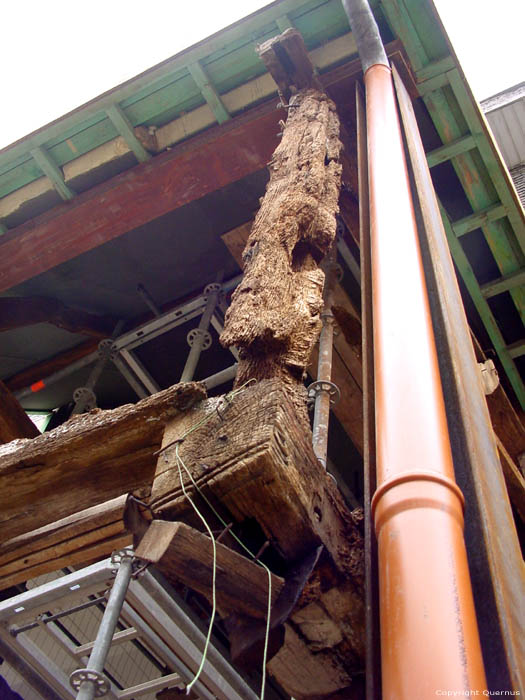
(286, 58)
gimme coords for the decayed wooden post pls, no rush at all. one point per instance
(274, 317)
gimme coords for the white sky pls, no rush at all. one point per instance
(57, 54)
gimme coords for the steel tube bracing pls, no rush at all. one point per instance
(201, 333)
(127, 363)
(429, 635)
(89, 686)
(323, 386)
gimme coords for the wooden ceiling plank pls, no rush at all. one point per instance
(222, 155)
(208, 91)
(125, 129)
(53, 172)
(17, 312)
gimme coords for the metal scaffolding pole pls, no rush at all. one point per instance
(199, 338)
(323, 389)
(90, 681)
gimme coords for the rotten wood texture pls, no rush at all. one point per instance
(274, 316)
(253, 455)
(253, 459)
(180, 552)
(346, 360)
(14, 421)
(79, 538)
(287, 60)
(184, 554)
(16, 312)
(33, 375)
(87, 460)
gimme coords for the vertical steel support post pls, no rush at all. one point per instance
(90, 681)
(201, 333)
(429, 635)
(323, 388)
(84, 396)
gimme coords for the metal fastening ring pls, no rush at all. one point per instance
(212, 288)
(318, 386)
(106, 349)
(197, 333)
(81, 675)
(86, 396)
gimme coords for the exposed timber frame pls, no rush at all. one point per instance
(274, 316)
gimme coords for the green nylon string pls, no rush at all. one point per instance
(180, 463)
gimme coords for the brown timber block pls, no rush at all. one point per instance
(89, 459)
(86, 535)
(180, 552)
(235, 240)
(286, 58)
(14, 421)
(253, 455)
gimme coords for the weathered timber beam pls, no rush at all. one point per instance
(216, 158)
(253, 459)
(346, 361)
(287, 60)
(16, 312)
(48, 166)
(125, 129)
(85, 461)
(514, 480)
(182, 553)
(84, 536)
(274, 316)
(240, 157)
(14, 421)
(32, 376)
(254, 456)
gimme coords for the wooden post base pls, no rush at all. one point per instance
(252, 457)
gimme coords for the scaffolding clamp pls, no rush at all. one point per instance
(322, 386)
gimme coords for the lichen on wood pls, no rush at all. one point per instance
(274, 316)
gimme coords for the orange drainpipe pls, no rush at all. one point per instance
(429, 636)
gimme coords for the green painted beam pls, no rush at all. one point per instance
(124, 128)
(397, 16)
(209, 93)
(432, 84)
(431, 70)
(284, 23)
(3, 229)
(503, 284)
(467, 273)
(451, 150)
(244, 29)
(478, 219)
(480, 172)
(473, 118)
(517, 349)
(53, 172)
